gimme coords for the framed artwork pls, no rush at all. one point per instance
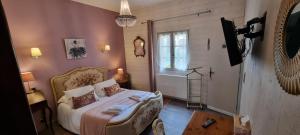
(139, 47)
(75, 48)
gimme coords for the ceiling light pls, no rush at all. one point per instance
(125, 19)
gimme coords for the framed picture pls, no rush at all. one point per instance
(75, 48)
(139, 47)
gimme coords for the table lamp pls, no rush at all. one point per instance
(120, 76)
(120, 71)
(27, 77)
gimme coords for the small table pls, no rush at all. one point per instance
(124, 84)
(223, 125)
(38, 102)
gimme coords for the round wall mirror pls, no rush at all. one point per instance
(292, 30)
(286, 46)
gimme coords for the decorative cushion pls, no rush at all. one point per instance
(83, 100)
(99, 87)
(114, 89)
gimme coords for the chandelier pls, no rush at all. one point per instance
(125, 19)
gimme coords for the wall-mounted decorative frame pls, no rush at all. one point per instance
(75, 48)
(139, 47)
(286, 46)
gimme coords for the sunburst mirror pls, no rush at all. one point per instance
(286, 46)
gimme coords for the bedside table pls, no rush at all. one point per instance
(124, 84)
(38, 102)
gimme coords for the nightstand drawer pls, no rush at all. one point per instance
(38, 106)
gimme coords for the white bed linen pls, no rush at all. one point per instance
(70, 118)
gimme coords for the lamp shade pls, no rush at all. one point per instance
(120, 71)
(107, 48)
(36, 52)
(27, 76)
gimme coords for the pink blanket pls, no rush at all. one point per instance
(93, 122)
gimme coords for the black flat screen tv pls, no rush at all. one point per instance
(230, 33)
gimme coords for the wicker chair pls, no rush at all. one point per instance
(158, 127)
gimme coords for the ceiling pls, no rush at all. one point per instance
(114, 5)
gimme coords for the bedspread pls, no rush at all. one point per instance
(93, 121)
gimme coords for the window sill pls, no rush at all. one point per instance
(171, 75)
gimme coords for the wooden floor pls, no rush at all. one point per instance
(174, 115)
(223, 125)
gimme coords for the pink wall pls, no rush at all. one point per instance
(45, 23)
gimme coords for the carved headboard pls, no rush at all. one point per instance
(75, 78)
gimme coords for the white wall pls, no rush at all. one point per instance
(272, 111)
(173, 86)
(137, 67)
(222, 91)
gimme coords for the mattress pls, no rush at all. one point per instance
(69, 118)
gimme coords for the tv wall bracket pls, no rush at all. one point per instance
(247, 31)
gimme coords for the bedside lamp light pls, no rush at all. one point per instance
(106, 48)
(122, 78)
(121, 75)
(27, 77)
(36, 52)
(120, 71)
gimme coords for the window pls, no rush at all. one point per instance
(173, 51)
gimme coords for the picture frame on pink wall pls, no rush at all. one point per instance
(75, 48)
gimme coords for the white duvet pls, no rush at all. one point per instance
(69, 118)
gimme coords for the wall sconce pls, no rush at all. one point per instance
(106, 48)
(36, 53)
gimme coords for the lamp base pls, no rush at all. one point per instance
(30, 91)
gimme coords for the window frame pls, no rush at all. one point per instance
(172, 50)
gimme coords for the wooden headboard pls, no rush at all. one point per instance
(75, 78)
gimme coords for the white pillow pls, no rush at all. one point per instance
(63, 99)
(99, 86)
(78, 91)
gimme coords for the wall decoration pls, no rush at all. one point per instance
(139, 47)
(286, 46)
(75, 48)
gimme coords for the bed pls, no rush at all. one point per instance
(132, 121)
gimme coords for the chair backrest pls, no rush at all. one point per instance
(158, 127)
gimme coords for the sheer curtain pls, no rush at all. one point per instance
(181, 55)
(164, 42)
(173, 52)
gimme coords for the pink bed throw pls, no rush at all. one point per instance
(93, 122)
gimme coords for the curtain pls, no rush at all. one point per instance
(151, 56)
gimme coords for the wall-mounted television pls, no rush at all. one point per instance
(230, 33)
(234, 47)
